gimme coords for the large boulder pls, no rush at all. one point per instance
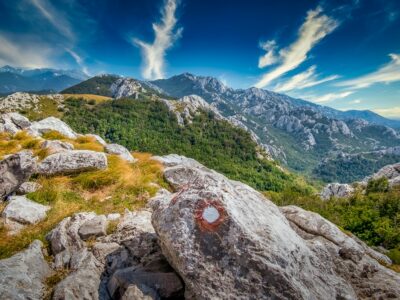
(52, 124)
(337, 190)
(22, 276)
(227, 241)
(121, 151)
(14, 170)
(72, 162)
(391, 172)
(13, 122)
(128, 260)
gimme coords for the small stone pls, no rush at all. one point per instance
(121, 151)
(93, 228)
(28, 187)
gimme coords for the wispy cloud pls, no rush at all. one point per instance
(303, 80)
(385, 74)
(79, 60)
(270, 57)
(23, 52)
(356, 101)
(316, 26)
(165, 36)
(54, 17)
(393, 112)
(328, 97)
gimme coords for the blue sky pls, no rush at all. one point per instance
(344, 54)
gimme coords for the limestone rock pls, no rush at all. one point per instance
(13, 122)
(28, 187)
(121, 151)
(339, 190)
(52, 124)
(391, 172)
(93, 227)
(98, 138)
(72, 162)
(139, 293)
(22, 276)
(54, 146)
(19, 101)
(24, 211)
(227, 241)
(15, 170)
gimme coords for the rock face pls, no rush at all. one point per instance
(125, 264)
(19, 101)
(14, 170)
(126, 87)
(338, 190)
(228, 242)
(22, 276)
(121, 151)
(72, 162)
(52, 124)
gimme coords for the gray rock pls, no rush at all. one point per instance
(98, 138)
(13, 122)
(52, 124)
(121, 151)
(22, 276)
(139, 293)
(82, 283)
(93, 228)
(15, 170)
(338, 190)
(72, 162)
(215, 234)
(24, 211)
(28, 187)
(54, 146)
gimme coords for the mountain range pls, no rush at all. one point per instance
(302, 135)
(37, 80)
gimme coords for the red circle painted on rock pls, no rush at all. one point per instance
(203, 223)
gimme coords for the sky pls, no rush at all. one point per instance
(340, 53)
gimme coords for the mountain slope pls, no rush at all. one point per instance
(297, 132)
(18, 79)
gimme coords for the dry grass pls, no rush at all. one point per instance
(121, 185)
(97, 98)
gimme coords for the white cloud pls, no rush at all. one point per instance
(54, 17)
(165, 36)
(356, 101)
(393, 112)
(79, 60)
(303, 80)
(328, 97)
(315, 28)
(386, 74)
(23, 52)
(270, 57)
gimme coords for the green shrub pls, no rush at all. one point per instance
(378, 185)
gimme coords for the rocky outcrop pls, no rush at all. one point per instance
(337, 190)
(22, 276)
(125, 263)
(19, 101)
(52, 124)
(126, 87)
(93, 228)
(121, 151)
(15, 170)
(75, 161)
(228, 242)
(391, 172)
(13, 122)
